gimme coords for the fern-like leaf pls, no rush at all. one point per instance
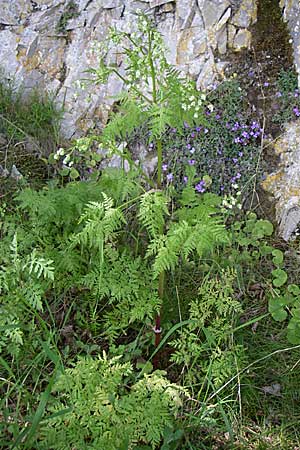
(153, 209)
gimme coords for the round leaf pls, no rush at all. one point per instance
(74, 173)
(280, 277)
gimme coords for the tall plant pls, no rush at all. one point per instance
(158, 95)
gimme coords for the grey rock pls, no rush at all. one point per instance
(213, 11)
(224, 19)
(246, 14)
(154, 3)
(284, 184)
(242, 40)
(39, 54)
(207, 74)
(110, 4)
(15, 173)
(221, 36)
(167, 8)
(291, 14)
(231, 34)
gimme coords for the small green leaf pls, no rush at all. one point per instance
(278, 257)
(293, 331)
(280, 277)
(74, 173)
(294, 289)
(262, 228)
(64, 172)
(277, 311)
(265, 249)
(207, 179)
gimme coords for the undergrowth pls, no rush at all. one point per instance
(146, 311)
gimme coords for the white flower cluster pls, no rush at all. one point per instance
(193, 102)
(67, 158)
(232, 201)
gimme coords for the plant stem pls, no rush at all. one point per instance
(159, 162)
(157, 328)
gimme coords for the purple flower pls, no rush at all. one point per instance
(237, 125)
(222, 188)
(198, 129)
(170, 177)
(188, 146)
(174, 130)
(241, 154)
(205, 130)
(192, 135)
(254, 125)
(185, 179)
(218, 116)
(200, 187)
(235, 160)
(191, 162)
(238, 175)
(266, 84)
(278, 94)
(245, 134)
(219, 152)
(164, 167)
(237, 140)
(186, 125)
(296, 111)
(151, 145)
(251, 73)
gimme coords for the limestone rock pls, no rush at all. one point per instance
(222, 41)
(242, 40)
(110, 4)
(42, 47)
(207, 74)
(231, 34)
(285, 183)
(154, 3)
(291, 13)
(224, 19)
(246, 14)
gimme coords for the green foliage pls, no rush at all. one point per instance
(155, 95)
(91, 264)
(37, 116)
(284, 301)
(71, 12)
(224, 146)
(152, 212)
(287, 97)
(205, 348)
(98, 405)
(24, 281)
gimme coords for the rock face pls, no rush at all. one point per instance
(49, 43)
(285, 183)
(291, 13)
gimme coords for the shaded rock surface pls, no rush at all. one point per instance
(291, 13)
(284, 184)
(49, 43)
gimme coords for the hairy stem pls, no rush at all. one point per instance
(159, 162)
